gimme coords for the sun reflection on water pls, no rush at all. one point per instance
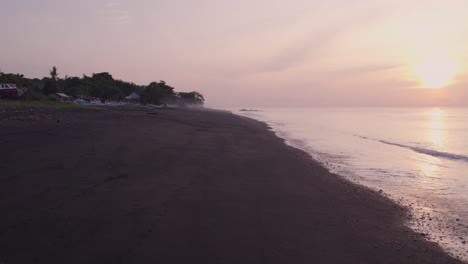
(435, 139)
(436, 128)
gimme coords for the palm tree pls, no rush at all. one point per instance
(54, 73)
(51, 85)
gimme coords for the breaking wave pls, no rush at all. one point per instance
(426, 151)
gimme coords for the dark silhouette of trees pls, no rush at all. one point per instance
(153, 94)
(51, 83)
(100, 86)
(191, 98)
(159, 93)
(54, 73)
(17, 79)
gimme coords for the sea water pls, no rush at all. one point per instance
(417, 156)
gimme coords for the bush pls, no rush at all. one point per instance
(31, 95)
(53, 97)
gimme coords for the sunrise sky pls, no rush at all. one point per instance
(255, 53)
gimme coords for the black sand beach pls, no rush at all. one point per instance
(178, 186)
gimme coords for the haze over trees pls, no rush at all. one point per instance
(101, 86)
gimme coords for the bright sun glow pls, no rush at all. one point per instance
(435, 73)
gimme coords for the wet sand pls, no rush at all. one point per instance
(180, 186)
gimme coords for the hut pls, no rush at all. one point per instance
(9, 90)
(133, 98)
(63, 97)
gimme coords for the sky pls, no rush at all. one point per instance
(256, 53)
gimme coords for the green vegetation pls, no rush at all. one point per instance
(191, 98)
(99, 86)
(19, 104)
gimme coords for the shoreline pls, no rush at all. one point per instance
(418, 220)
(186, 186)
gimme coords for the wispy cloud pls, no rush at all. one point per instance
(367, 69)
(116, 14)
(311, 45)
(300, 51)
(113, 4)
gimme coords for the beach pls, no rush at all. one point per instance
(167, 185)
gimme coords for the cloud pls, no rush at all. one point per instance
(113, 4)
(368, 69)
(298, 52)
(115, 14)
(312, 44)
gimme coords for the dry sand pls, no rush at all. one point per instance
(180, 186)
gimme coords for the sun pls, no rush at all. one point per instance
(435, 73)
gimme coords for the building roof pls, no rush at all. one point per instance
(133, 96)
(8, 86)
(62, 95)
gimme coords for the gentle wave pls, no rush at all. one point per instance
(430, 152)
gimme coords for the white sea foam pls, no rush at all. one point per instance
(430, 152)
(419, 156)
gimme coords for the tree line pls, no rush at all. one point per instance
(101, 86)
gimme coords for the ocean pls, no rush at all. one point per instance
(416, 156)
